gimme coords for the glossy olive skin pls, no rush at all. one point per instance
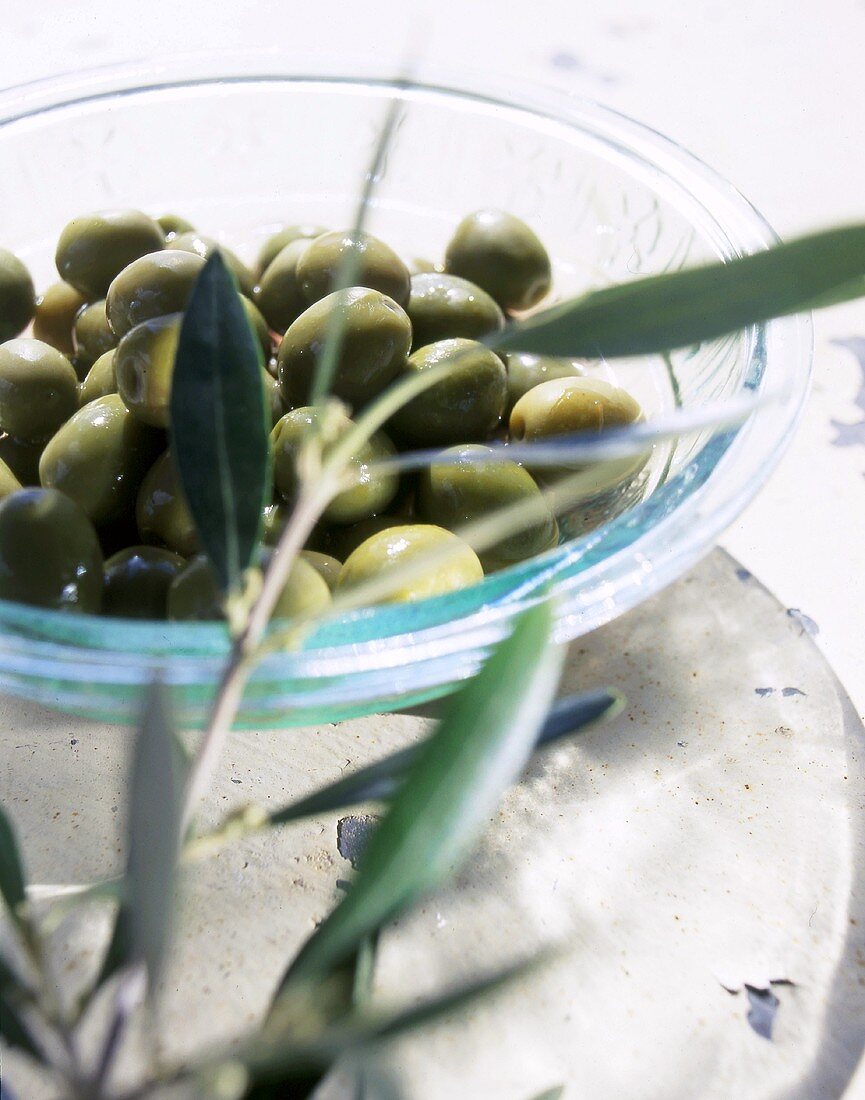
(161, 511)
(455, 566)
(525, 371)
(371, 491)
(92, 335)
(503, 255)
(417, 265)
(55, 315)
(144, 365)
(205, 246)
(565, 405)
(451, 495)
(341, 541)
(325, 565)
(17, 296)
(441, 307)
(49, 552)
(172, 225)
(274, 519)
(273, 401)
(465, 406)
(258, 325)
(99, 458)
(9, 483)
(151, 286)
(94, 248)
(376, 341)
(379, 268)
(276, 242)
(37, 384)
(195, 594)
(100, 380)
(136, 582)
(22, 457)
(278, 295)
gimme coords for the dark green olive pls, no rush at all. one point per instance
(55, 317)
(272, 397)
(279, 296)
(100, 380)
(9, 483)
(17, 296)
(501, 254)
(378, 266)
(151, 286)
(143, 366)
(371, 490)
(22, 458)
(444, 306)
(99, 458)
(161, 510)
(276, 242)
(94, 248)
(172, 225)
(466, 405)
(93, 335)
(453, 494)
(375, 343)
(49, 552)
(259, 326)
(204, 246)
(342, 541)
(274, 519)
(37, 385)
(525, 371)
(451, 563)
(325, 565)
(136, 582)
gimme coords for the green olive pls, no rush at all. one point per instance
(99, 458)
(49, 552)
(453, 494)
(92, 334)
(276, 242)
(172, 225)
(9, 483)
(444, 306)
(343, 541)
(144, 364)
(162, 514)
(375, 343)
(466, 405)
(94, 248)
(151, 286)
(100, 380)
(274, 519)
(273, 401)
(136, 582)
(195, 594)
(279, 296)
(443, 562)
(525, 371)
(55, 317)
(258, 325)
(417, 265)
(17, 296)
(325, 565)
(37, 385)
(501, 254)
(378, 266)
(22, 457)
(205, 246)
(371, 491)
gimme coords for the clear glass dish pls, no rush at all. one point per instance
(239, 144)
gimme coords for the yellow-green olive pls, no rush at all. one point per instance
(136, 582)
(444, 306)
(151, 286)
(38, 389)
(49, 552)
(22, 457)
(99, 458)
(503, 255)
(276, 242)
(564, 405)
(172, 225)
(466, 405)
(55, 315)
(342, 541)
(325, 565)
(161, 511)
(204, 246)
(9, 483)
(94, 248)
(439, 561)
(525, 371)
(100, 380)
(375, 342)
(452, 494)
(93, 336)
(417, 265)
(143, 366)
(279, 296)
(17, 296)
(274, 518)
(378, 266)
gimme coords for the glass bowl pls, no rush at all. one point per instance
(240, 144)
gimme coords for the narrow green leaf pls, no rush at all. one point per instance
(479, 748)
(119, 951)
(551, 1094)
(219, 427)
(11, 869)
(663, 312)
(15, 1031)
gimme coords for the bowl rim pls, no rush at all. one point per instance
(736, 228)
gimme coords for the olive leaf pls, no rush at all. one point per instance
(11, 868)
(662, 312)
(481, 745)
(15, 1031)
(551, 1094)
(219, 425)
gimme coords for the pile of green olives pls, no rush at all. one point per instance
(92, 513)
